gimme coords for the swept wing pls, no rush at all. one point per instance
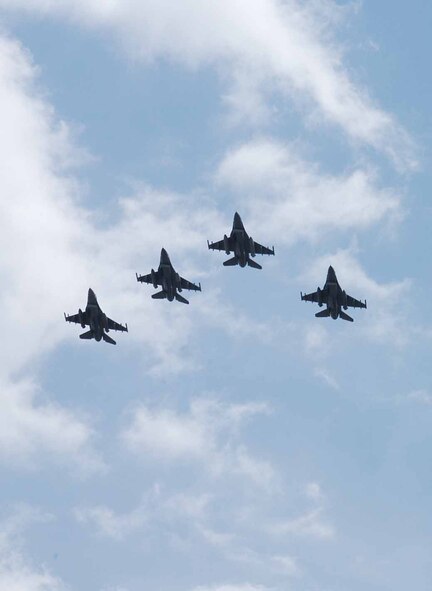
(260, 249)
(185, 284)
(317, 297)
(76, 318)
(353, 303)
(112, 325)
(221, 245)
(150, 278)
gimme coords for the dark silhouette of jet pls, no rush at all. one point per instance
(169, 280)
(334, 298)
(98, 322)
(241, 244)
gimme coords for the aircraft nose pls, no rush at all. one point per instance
(91, 295)
(164, 255)
(331, 272)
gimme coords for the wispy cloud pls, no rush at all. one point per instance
(206, 433)
(17, 573)
(283, 48)
(294, 200)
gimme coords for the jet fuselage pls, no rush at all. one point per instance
(96, 318)
(241, 241)
(336, 297)
(170, 280)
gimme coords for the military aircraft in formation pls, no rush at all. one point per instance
(169, 280)
(334, 297)
(244, 247)
(98, 322)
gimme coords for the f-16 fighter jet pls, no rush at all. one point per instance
(169, 280)
(241, 244)
(98, 322)
(334, 298)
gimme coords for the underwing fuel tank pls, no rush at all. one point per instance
(319, 297)
(252, 246)
(153, 278)
(344, 300)
(81, 318)
(226, 244)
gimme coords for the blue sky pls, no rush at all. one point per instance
(236, 444)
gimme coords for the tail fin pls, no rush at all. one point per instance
(323, 314)
(253, 264)
(108, 339)
(181, 299)
(87, 335)
(160, 295)
(345, 316)
(231, 262)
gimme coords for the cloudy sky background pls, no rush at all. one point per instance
(236, 444)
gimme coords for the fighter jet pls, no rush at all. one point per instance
(169, 280)
(98, 322)
(241, 244)
(334, 298)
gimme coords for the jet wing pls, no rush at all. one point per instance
(116, 326)
(149, 278)
(76, 318)
(353, 303)
(260, 249)
(188, 285)
(313, 297)
(220, 245)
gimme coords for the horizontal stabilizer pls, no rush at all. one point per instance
(345, 316)
(108, 339)
(181, 299)
(323, 314)
(253, 264)
(160, 295)
(87, 335)
(231, 262)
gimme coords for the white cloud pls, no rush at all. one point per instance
(39, 258)
(309, 525)
(421, 397)
(287, 564)
(292, 199)
(314, 492)
(198, 435)
(29, 430)
(259, 46)
(17, 573)
(206, 433)
(233, 587)
(111, 524)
